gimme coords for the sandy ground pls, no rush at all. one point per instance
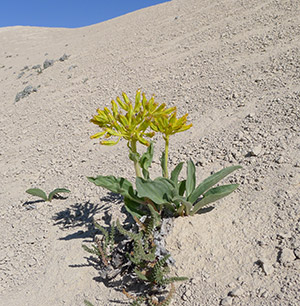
(234, 66)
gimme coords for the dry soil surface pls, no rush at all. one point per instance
(234, 66)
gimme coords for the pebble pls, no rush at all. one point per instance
(279, 160)
(64, 57)
(36, 67)
(256, 151)
(47, 63)
(25, 92)
(286, 255)
(297, 252)
(226, 301)
(267, 268)
(236, 292)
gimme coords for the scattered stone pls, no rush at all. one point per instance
(263, 292)
(25, 92)
(196, 280)
(36, 67)
(64, 57)
(256, 151)
(226, 301)
(267, 268)
(297, 252)
(297, 165)
(47, 63)
(279, 160)
(21, 74)
(236, 292)
(286, 255)
(72, 67)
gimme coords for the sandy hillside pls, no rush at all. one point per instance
(234, 66)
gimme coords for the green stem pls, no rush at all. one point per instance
(166, 175)
(136, 163)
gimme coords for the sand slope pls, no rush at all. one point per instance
(234, 66)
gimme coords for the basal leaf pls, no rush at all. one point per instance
(133, 207)
(213, 195)
(56, 191)
(37, 192)
(181, 187)
(191, 178)
(210, 181)
(157, 190)
(175, 173)
(117, 185)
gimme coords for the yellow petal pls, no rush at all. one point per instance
(126, 99)
(122, 104)
(98, 135)
(109, 142)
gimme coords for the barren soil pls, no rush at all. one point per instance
(234, 66)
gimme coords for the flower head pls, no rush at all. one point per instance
(170, 125)
(129, 121)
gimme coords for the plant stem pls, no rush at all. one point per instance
(166, 174)
(136, 163)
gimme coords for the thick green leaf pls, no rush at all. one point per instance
(175, 173)
(146, 160)
(191, 178)
(37, 192)
(213, 195)
(115, 184)
(181, 187)
(133, 207)
(157, 191)
(211, 181)
(188, 205)
(56, 191)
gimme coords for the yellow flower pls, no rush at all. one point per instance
(133, 124)
(170, 125)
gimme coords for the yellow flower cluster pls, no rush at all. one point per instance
(137, 118)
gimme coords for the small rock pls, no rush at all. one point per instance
(250, 115)
(72, 67)
(297, 252)
(36, 67)
(188, 293)
(226, 301)
(286, 255)
(32, 262)
(47, 63)
(25, 92)
(256, 151)
(263, 292)
(21, 74)
(196, 280)
(236, 292)
(279, 160)
(267, 268)
(64, 57)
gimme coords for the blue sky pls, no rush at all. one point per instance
(66, 13)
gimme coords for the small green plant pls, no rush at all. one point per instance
(41, 194)
(104, 248)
